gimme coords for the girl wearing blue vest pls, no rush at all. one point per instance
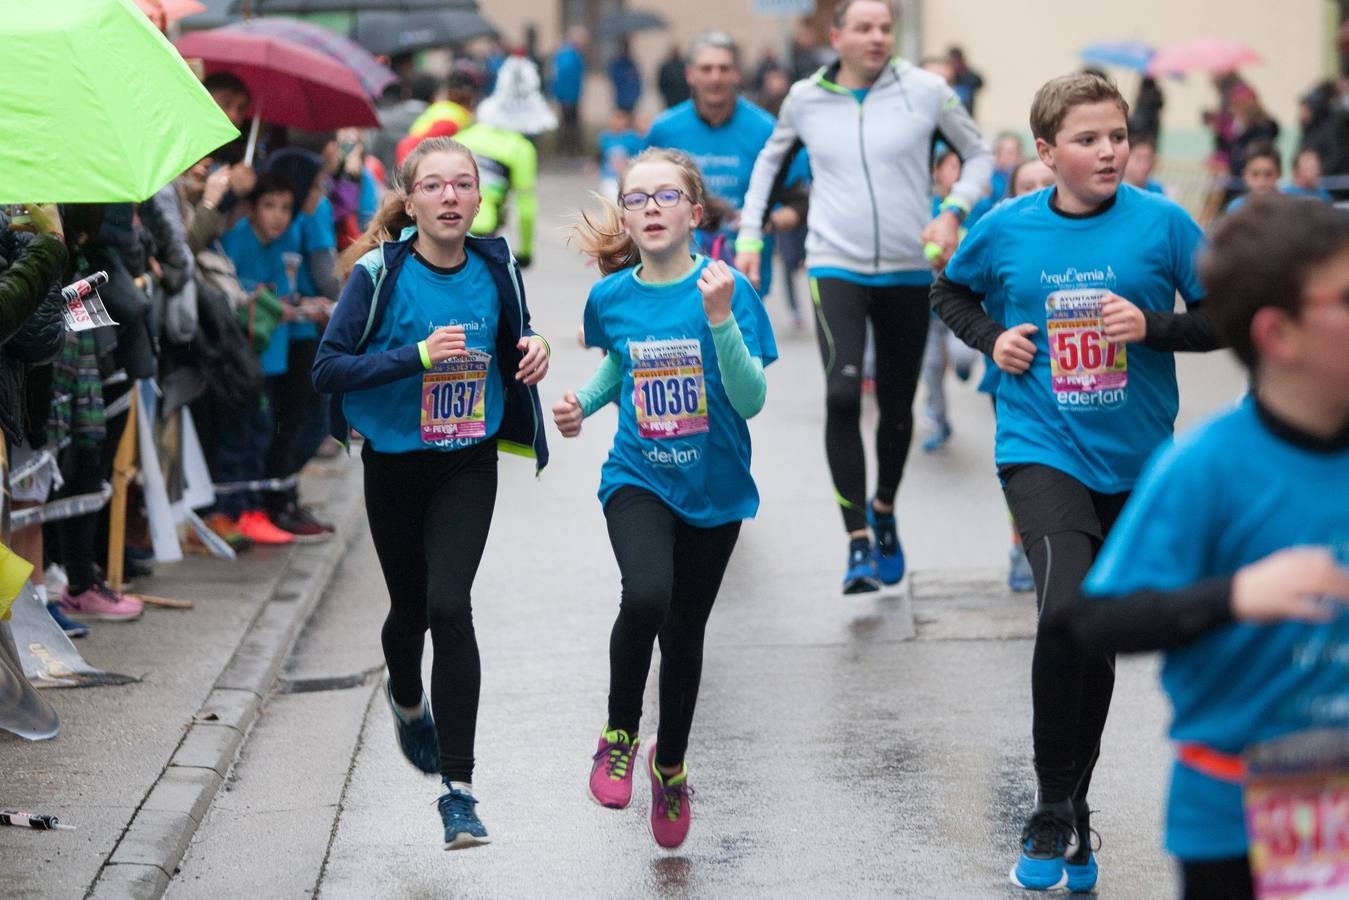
(430, 356)
(686, 340)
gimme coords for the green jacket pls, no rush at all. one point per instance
(507, 162)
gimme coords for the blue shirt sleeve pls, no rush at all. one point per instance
(1158, 542)
(972, 263)
(594, 330)
(1187, 239)
(317, 231)
(756, 329)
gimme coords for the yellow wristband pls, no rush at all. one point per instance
(547, 348)
(425, 354)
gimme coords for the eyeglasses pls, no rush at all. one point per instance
(665, 198)
(432, 186)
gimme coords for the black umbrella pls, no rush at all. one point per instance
(390, 34)
(628, 21)
(291, 7)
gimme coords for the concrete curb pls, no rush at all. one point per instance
(146, 856)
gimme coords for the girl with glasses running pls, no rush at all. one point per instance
(430, 356)
(687, 340)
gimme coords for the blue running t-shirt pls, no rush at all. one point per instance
(1092, 409)
(262, 265)
(465, 392)
(1225, 495)
(678, 436)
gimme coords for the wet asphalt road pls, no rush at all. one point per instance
(844, 746)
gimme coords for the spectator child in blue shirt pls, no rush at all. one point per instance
(1233, 557)
(618, 144)
(1260, 175)
(1088, 272)
(1307, 176)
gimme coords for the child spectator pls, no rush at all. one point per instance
(1260, 174)
(618, 143)
(1307, 176)
(1142, 160)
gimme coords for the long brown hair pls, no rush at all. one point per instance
(392, 217)
(603, 236)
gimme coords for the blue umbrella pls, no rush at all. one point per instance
(1133, 55)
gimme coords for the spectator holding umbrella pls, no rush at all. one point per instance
(1253, 126)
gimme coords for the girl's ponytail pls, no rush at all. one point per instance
(605, 239)
(386, 225)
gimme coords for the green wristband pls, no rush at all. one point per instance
(425, 354)
(749, 245)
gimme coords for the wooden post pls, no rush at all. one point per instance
(123, 471)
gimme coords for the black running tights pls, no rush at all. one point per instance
(1217, 879)
(1062, 525)
(671, 572)
(899, 321)
(429, 512)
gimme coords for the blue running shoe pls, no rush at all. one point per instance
(1049, 836)
(889, 552)
(463, 828)
(941, 433)
(72, 628)
(1020, 578)
(416, 737)
(861, 577)
(1081, 865)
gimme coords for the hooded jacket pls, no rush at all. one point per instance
(340, 366)
(871, 192)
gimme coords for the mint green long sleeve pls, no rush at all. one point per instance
(602, 388)
(742, 375)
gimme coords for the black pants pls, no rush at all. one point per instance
(1217, 879)
(569, 134)
(1062, 525)
(899, 321)
(298, 422)
(429, 513)
(671, 573)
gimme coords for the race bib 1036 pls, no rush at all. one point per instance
(667, 388)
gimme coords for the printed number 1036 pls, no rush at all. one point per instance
(673, 396)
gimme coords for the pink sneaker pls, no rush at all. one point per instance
(101, 602)
(670, 812)
(611, 775)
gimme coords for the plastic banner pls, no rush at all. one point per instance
(23, 711)
(163, 525)
(46, 656)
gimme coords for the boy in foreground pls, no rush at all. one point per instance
(1233, 556)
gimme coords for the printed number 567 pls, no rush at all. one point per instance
(1083, 349)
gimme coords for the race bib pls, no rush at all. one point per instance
(667, 380)
(454, 398)
(1297, 815)
(1086, 370)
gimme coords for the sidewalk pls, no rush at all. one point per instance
(135, 767)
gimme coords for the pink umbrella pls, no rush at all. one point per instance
(1205, 54)
(163, 12)
(291, 85)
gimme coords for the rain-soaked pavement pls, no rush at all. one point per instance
(843, 746)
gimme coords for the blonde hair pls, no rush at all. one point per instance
(1059, 95)
(603, 237)
(392, 217)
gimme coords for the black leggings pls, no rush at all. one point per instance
(899, 322)
(671, 573)
(1062, 525)
(1217, 879)
(429, 513)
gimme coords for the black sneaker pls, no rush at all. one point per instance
(1048, 837)
(301, 523)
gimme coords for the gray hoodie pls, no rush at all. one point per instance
(871, 190)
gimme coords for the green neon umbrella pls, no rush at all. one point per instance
(102, 109)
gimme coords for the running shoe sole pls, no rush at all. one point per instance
(1062, 882)
(591, 795)
(101, 617)
(863, 584)
(465, 841)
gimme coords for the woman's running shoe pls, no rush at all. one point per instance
(611, 773)
(101, 602)
(416, 736)
(1049, 835)
(670, 807)
(1081, 866)
(889, 552)
(937, 438)
(861, 576)
(463, 828)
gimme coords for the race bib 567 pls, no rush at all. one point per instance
(1086, 370)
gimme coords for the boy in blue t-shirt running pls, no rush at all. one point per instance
(1229, 550)
(1089, 270)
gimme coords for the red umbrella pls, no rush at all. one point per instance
(1205, 54)
(291, 85)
